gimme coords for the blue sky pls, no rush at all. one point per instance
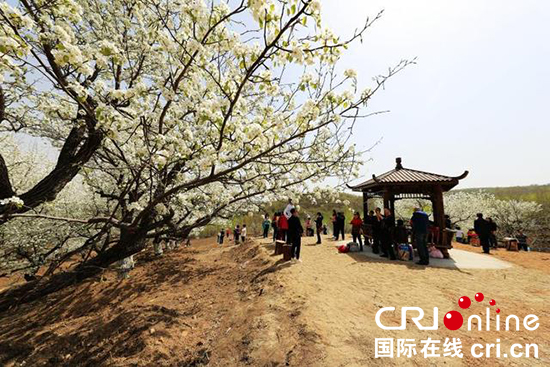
(477, 98)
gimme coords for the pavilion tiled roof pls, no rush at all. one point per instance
(401, 175)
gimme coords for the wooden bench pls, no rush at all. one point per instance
(287, 252)
(279, 247)
(511, 244)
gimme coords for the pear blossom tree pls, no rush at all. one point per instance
(510, 215)
(177, 113)
(45, 90)
(462, 207)
(51, 232)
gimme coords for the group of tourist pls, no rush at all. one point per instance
(384, 234)
(378, 229)
(287, 227)
(238, 233)
(486, 229)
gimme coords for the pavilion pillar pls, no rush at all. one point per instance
(392, 204)
(386, 199)
(365, 204)
(438, 211)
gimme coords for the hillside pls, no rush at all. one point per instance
(196, 306)
(326, 208)
(537, 193)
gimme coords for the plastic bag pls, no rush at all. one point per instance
(343, 249)
(436, 253)
(353, 247)
(403, 252)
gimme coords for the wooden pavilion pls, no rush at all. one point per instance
(406, 183)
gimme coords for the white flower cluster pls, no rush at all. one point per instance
(14, 200)
(350, 73)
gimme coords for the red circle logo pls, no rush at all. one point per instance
(453, 320)
(464, 302)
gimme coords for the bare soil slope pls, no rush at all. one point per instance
(191, 307)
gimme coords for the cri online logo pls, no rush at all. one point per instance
(453, 320)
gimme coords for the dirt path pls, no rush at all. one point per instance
(339, 295)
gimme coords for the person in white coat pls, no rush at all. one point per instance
(288, 208)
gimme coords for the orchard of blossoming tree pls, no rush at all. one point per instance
(462, 206)
(167, 115)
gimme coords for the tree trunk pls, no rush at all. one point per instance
(76, 152)
(6, 191)
(129, 244)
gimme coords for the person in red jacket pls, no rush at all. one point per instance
(356, 224)
(283, 228)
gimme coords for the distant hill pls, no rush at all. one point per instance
(537, 193)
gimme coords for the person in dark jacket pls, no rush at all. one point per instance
(295, 231)
(334, 224)
(493, 233)
(448, 223)
(420, 224)
(388, 226)
(341, 224)
(483, 230)
(275, 225)
(377, 231)
(367, 227)
(522, 241)
(319, 225)
(237, 234)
